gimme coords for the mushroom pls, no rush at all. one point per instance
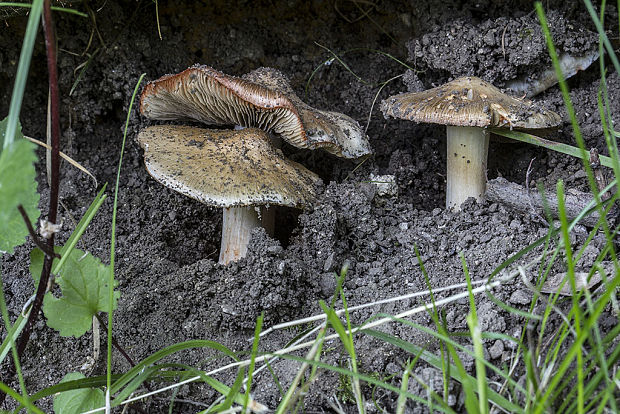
(467, 106)
(238, 170)
(262, 99)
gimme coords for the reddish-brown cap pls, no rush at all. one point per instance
(262, 99)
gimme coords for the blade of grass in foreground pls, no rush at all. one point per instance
(10, 343)
(157, 356)
(363, 377)
(257, 330)
(457, 374)
(577, 344)
(442, 328)
(80, 229)
(13, 332)
(552, 145)
(346, 337)
(22, 71)
(571, 110)
(606, 119)
(578, 317)
(24, 401)
(113, 243)
(603, 35)
(476, 336)
(233, 392)
(292, 393)
(570, 267)
(401, 402)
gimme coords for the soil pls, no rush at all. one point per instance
(172, 288)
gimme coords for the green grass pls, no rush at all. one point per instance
(22, 71)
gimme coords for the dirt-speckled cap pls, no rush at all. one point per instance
(469, 101)
(262, 99)
(225, 168)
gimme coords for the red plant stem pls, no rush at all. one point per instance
(114, 342)
(50, 45)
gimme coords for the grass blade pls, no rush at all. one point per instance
(552, 145)
(79, 230)
(257, 330)
(401, 402)
(22, 71)
(13, 332)
(113, 238)
(476, 335)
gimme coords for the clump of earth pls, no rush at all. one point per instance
(172, 288)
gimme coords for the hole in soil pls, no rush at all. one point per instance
(286, 219)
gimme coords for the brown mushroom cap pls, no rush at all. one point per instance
(469, 101)
(225, 168)
(336, 132)
(263, 99)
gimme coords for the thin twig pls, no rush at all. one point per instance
(116, 344)
(34, 236)
(601, 182)
(66, 158)
(503, 44)
(529, 198)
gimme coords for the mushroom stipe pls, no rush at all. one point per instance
(238, 170)
(467, 106)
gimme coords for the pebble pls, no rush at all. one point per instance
(386, 185)
(329, 262)
(497, 349)
(520, 297)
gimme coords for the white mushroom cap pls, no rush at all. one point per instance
(225, 168)
(263, 99)
(469, 101)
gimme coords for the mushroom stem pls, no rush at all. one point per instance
(237, 224)
(466, 161)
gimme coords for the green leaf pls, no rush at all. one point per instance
(17, 186)
(36, 264)
(79, 400)
(83, 282)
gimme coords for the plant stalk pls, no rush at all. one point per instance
(50, 46)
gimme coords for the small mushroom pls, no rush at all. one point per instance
(238, 170)
(263, 99)
(467, 106)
